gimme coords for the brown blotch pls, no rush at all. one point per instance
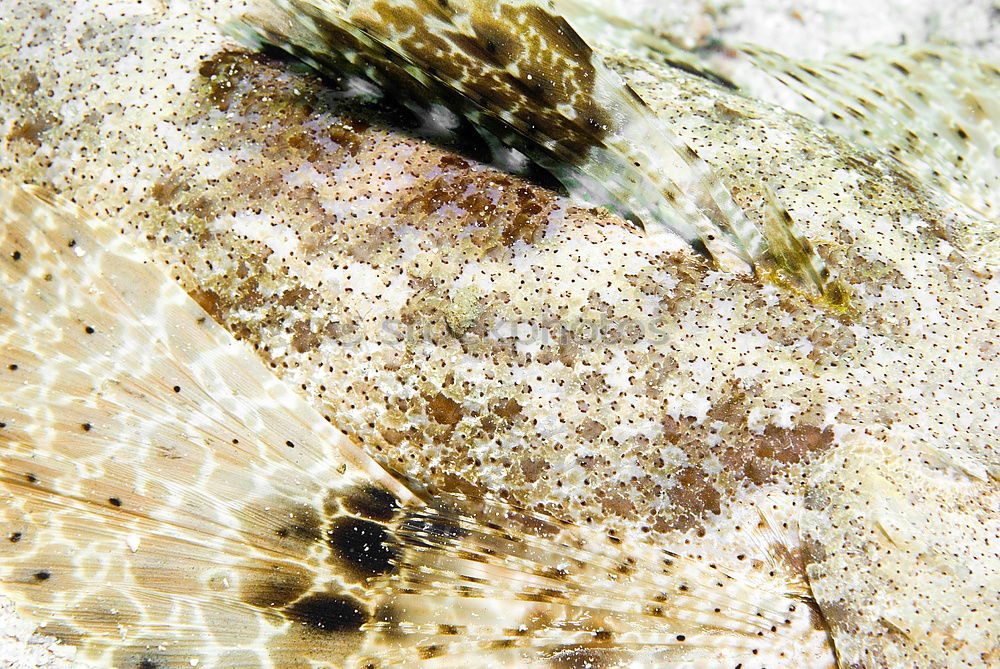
(430, 652)
(443, 409)
(28, 83)
(533, 469)
(526, 224)
(31, 129)
(693, 496)
(616, 504)
(506, 409)
(165, 189)
(222, 71)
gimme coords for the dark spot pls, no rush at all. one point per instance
(14, 537)
(114, 501)
(31, 478)
(146, 663)
(303, 524)
(371, 502)
(88, 330)
(681, 637)
(430, 652)
(289, 444)
(177, 389)
(699, 247)
(87, 427)
(12, 368)
(71, 243)
(363, 545)
(329, 613)
(280, 584)
(42, 575)
(448, 630)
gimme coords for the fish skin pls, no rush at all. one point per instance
(901, 244)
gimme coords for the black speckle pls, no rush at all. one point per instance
(72, 243)
(146, 663)
(289, 444)
(371, 502)
(87, 427)
(31, 478)
(14, 537)
(329, 613)
(12, 368)
(16, 255)
(3, 424)
(114, 501)
(177, 389)
(681, 637)
(363, 545)
(42, 575)
(88, 330)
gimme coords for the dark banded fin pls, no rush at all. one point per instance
(520, 70)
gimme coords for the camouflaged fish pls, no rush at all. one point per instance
(285, 386)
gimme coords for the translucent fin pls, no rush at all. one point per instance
(523, 72)
(518, 589)
(167, 503)
(901, 552)
(934, 110)
(600, 25)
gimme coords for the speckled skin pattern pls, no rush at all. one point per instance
(477, 333)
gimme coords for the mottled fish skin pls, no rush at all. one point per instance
(522, 72)
(405, 291)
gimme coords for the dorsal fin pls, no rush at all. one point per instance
(933, 110)
(519, 69)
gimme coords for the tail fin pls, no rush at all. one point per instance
(168, 503)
